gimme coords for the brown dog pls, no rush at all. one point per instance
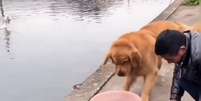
(133, 54)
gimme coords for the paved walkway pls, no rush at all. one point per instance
(104, 79)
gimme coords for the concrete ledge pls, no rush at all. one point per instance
(92, 85)
(169, 10)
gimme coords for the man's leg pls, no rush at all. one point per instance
(191, 88)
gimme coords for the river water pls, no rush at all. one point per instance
(51, 45)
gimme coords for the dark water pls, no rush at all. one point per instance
(50, 45)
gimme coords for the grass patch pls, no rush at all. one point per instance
(192, 2)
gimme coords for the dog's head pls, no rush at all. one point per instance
(125, 56)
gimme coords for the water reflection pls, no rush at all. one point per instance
(83, 9)
(4, 21)
(7, 39)
(91, 8)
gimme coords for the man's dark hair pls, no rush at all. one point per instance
(169, 42)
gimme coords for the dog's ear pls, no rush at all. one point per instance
(109, 56)
(135, 59)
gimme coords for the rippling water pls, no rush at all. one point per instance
(50, 45)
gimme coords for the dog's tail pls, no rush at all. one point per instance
(197, 26)
(183, 27)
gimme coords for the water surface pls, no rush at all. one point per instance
(50, 45)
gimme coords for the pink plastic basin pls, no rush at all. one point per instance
(116, 96)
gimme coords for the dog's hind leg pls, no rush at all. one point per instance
(150, 81)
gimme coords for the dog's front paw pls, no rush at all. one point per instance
(145, 98)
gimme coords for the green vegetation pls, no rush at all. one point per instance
(192, 2)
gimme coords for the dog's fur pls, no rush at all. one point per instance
(133, 54)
